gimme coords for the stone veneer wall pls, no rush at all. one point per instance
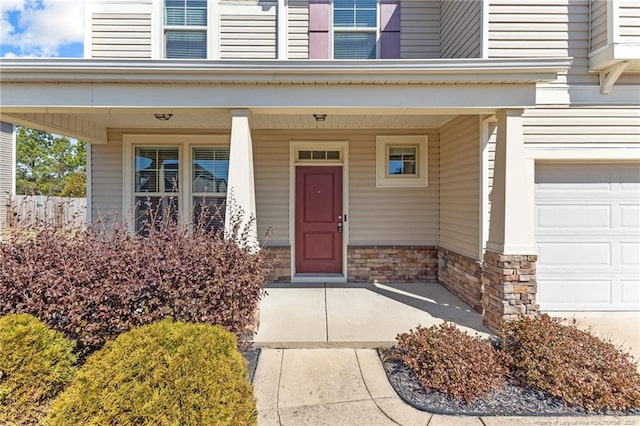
(392, 263)
(509, 287)
(280, 258)
(462, 276)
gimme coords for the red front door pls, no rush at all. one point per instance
(319, 219)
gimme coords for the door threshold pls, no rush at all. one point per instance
(318, 278)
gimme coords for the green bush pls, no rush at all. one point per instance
(570, 363)
(166, 373)
(35, 364)
(450, 361)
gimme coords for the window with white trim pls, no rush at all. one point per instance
(157, 185)
(157, 181)
(185, 29)
(355, 29)
(401, 161)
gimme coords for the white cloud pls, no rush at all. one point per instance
(42, 26)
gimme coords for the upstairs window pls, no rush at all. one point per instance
(355, 29)
(185, 29)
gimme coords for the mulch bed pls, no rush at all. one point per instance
(252, 356)
(513, 400)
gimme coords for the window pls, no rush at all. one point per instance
(156, 185)
(401, 161)
(176, 177)
(185, 29)
(209, 173)
(355, 29)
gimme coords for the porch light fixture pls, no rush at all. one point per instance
(320, 117)
(163, 117)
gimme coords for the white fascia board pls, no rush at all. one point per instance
(60, 97)
(426, 71)
(562, 94)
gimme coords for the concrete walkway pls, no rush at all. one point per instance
(317, 365)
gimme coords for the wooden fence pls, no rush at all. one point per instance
(27, 211)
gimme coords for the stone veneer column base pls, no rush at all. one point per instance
(387, 264)
(279, 257)
(462, 276)
(509, 287)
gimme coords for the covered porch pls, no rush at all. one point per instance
(461, 120)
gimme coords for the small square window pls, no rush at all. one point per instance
(401, 161)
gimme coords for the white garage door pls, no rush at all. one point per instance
(588, 236)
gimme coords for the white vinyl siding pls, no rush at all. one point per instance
(7, 170)
(598, 24)
(460, 29)
(107, 178)
(420, 29)
(298, 29)
(578, 126)
(588, 236)
(629, 21)
(121, 35)
(248, 31)
(460, 186)
(543, 28)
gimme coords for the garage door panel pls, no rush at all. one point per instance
(630, 254)
(630, 216)
(630, 292)
(574, 216)
(576, 177)
(574, 254)
(576, 291)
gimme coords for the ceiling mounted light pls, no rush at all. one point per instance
(163, 117)
(320, 117)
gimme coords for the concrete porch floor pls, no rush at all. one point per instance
(356, 315)
(317, 366)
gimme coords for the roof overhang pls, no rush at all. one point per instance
(33, 88)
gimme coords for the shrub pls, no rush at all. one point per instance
(98, 283)
(35, 364)
(450, 361)
(570, 363)
(167, 373)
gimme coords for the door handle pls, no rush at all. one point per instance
(340, 227)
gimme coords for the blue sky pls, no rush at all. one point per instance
(41, 28)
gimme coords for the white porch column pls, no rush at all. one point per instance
(241, 191)
(511, 228)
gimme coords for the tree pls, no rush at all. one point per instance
(49, 164)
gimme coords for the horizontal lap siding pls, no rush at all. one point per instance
(107, 177)
(582, 126)
(419, 29)
(460, 32)
(543, 28)
(248, 36)
(298, 29)
(598, 24)
(630, 21)
(271, 173)
(460, 186)
(387, 216)
(6, 168)
(121, 35)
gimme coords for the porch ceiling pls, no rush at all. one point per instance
(84, 98)
(220, 119)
